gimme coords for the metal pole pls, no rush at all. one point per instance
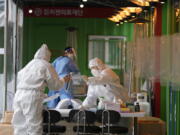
(130, 79)
(16, 60)
(5, 55)
(131, 70)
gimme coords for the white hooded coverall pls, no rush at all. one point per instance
(105, 83)
(32, 80)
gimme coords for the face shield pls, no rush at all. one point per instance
(71, 53)
(74, 53)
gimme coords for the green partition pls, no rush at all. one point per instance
(53, 32)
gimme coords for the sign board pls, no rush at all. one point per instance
(68, 12)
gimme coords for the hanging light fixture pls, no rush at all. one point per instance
(126, 12)
(129, 14)
(152, 0)
(142, 3)
(119, 17)
(136, 10)
(122, 14)
(113, 19)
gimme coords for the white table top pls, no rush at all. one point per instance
(65, 113)
(132, 114)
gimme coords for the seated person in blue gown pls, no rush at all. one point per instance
(64, 65)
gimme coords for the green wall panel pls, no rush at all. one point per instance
(173, 126)
(53, 32)
(163, 100)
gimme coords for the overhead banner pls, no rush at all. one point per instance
(68, 12)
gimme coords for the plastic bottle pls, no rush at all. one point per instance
(101, 104)
(137, 107)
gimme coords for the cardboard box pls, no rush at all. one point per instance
(6, 129)
(151, 126)
(7, 117)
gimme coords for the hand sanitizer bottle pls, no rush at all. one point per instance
(101, 105)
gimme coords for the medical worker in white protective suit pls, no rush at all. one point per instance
(32, 80)
(105, 83)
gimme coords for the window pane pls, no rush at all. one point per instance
(97, 48)
(109, 49)
(114, 53)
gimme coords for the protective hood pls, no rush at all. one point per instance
(96, 62)
(43, 53)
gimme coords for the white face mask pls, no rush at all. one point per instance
(95, 72)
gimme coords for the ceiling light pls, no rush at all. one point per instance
(119, 17)
(81, 5)
(84, 0)
(114, 19)
(30, 11)
(126, 12)
(162, 2)
(133, 16)
(146, 4)
(142, 3)
(136, 10)
(131, 9)
(122, 14)
(152, 0)
(117, 24)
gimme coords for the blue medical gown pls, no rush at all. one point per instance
(63, 66)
